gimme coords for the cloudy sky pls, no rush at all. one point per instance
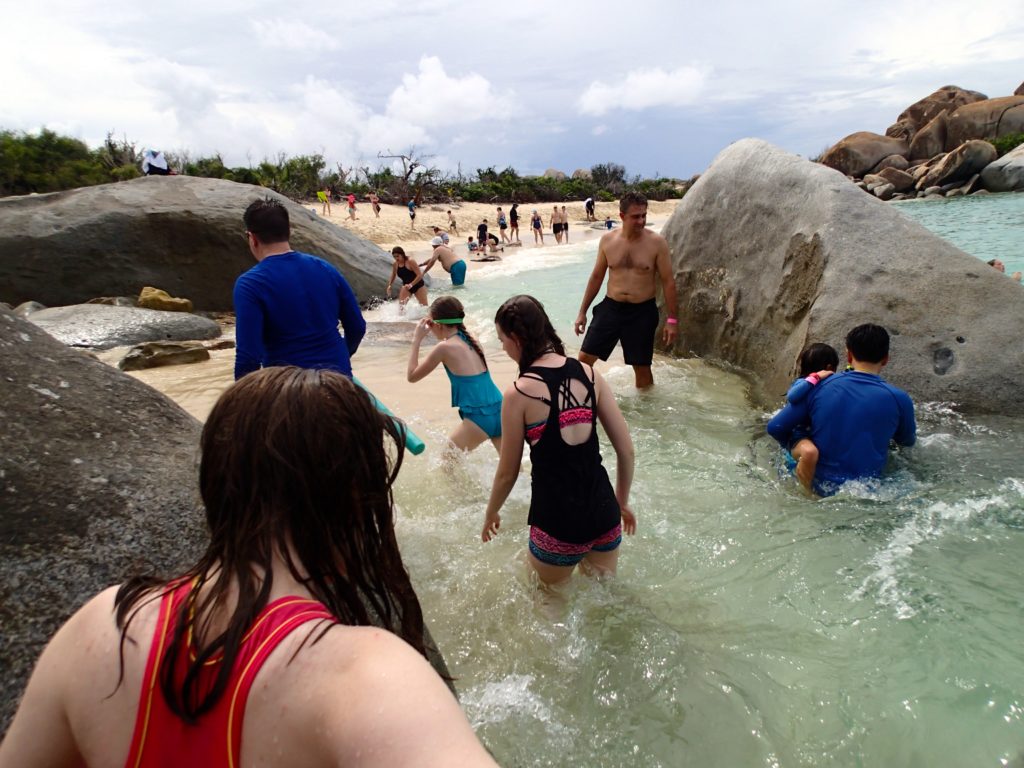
(659, 87)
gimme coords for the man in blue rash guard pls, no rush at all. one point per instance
(287, 307)
(853, 415)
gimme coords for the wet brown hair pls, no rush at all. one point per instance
(268, 220)
(295, 463)
(630, 199)
(450, 308)
(524, 318)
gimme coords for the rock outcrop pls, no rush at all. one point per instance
(154, 298)
(157, 354)
(920, 113)
(930, 140)
(1005, 174)
(772, 252)
(959, 165)
(989, 119)
(99, 481)
(99, 326)
(181, 233)
(860, 152)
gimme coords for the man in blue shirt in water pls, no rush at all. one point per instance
(287, 307)
(853, 415)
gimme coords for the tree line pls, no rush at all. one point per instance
(50, 162)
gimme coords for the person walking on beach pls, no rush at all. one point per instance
(588, 206)
(634, 259)
(452, 227)
(412, 213)
(503, 226)
(473, 390)
(451, 263)
(538, 228)
(565, 226)
(408, 271)
(513, 223)
(324, 196)
(351, 206)
(854, 415)
(287, 307)
(556, 225)
(576, 516)
(264, 651)
(375, 204)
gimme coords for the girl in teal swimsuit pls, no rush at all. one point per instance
(473, 390)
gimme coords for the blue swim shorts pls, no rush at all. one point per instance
(458, 272)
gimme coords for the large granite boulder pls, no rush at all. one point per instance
(1005, 174)
(772, 252)
(860, 152)
(989, 119)
(917, 115)
(930, 140)
(960, 164)
(180, 233)
(99, 480)
(99, 476)
(100, 326)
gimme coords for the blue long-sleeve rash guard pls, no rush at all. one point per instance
(853, 416)
(287, 309)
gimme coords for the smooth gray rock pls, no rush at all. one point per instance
(1005, 174)
(100, 326)
(180, 233)
(99, 481)
(157, 354)
(772, 252)
(26, 308)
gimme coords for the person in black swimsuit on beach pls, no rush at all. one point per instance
(408, 271)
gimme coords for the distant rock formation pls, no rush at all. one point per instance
(772, 252)
(1006, 173)
(181, 233)
(554, 173)
(935, 139)
(582, 173)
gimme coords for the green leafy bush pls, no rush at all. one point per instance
(1006, 143)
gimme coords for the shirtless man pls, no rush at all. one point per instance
(636, 259)
(556, 225)
(451, 263)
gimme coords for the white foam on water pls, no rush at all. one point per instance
(892, 562)
(494, 702)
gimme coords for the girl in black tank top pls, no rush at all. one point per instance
(576, 516)
(408, 271)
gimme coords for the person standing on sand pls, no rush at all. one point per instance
(513, 223)
(634, 259)
(503, 226)
(481, 233)
(556, 225)
(351, 206)
(565, 226)
(451, 263)
(412, 213)
(576, 516)
(324, 196)
(287, 307)
(263, 651)
(537, 223)
(375, 204)
(588, 205)
(452, 227)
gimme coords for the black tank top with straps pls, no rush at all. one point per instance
(572, 498)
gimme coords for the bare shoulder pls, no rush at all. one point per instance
(366, 691)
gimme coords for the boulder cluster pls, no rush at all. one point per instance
(938, 147)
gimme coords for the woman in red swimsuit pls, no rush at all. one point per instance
(264, 650)
(576, 517)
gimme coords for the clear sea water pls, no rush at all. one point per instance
(749, 625)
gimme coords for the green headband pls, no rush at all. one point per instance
(450, 321)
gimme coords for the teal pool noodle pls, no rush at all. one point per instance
(412, 441)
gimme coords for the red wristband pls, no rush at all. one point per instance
(671, 321)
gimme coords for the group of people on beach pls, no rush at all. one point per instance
(267, 645)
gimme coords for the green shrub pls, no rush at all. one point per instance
(1006, 143)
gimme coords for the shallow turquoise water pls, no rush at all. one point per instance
(749, 625)
(989, 226)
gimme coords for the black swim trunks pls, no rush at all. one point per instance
(632, 324)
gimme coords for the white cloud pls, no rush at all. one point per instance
(432, 99)
(599, 130)
(291, 35)
(645, 88)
